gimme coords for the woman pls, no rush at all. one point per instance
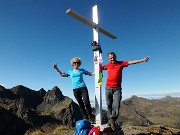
(79, 87)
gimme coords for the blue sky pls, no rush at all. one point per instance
(35, 34)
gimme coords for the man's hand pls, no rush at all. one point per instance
(145, 59)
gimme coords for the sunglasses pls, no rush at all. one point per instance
(76, 62)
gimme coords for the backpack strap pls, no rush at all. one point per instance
(95, 130)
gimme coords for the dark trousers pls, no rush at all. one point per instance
(82, 97)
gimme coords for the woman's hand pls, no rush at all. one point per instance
(55, 66)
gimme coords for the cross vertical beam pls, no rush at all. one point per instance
(98, 97)
(96, 31)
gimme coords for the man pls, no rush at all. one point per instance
(113, 85)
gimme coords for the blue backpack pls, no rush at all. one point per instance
(82, 127)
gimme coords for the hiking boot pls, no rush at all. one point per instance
(112, 124)
(92, 120)
(118, 124)
(108, 123)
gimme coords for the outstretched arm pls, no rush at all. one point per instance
(138, 61)
(59, 72)
(90, 73)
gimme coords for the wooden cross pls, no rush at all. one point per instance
(96, 30)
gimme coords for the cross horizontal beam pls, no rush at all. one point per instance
(89, 23)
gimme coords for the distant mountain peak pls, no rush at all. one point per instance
(1, 88)
(167, 98)
(20, 89)
(55, 88)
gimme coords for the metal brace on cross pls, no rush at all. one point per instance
(96, 39)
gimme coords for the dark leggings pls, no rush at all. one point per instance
(82, 97)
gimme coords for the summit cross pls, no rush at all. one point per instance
(96, 48)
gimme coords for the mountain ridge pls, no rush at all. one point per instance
(35, 108)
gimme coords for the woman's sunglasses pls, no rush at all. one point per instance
(76, 62)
